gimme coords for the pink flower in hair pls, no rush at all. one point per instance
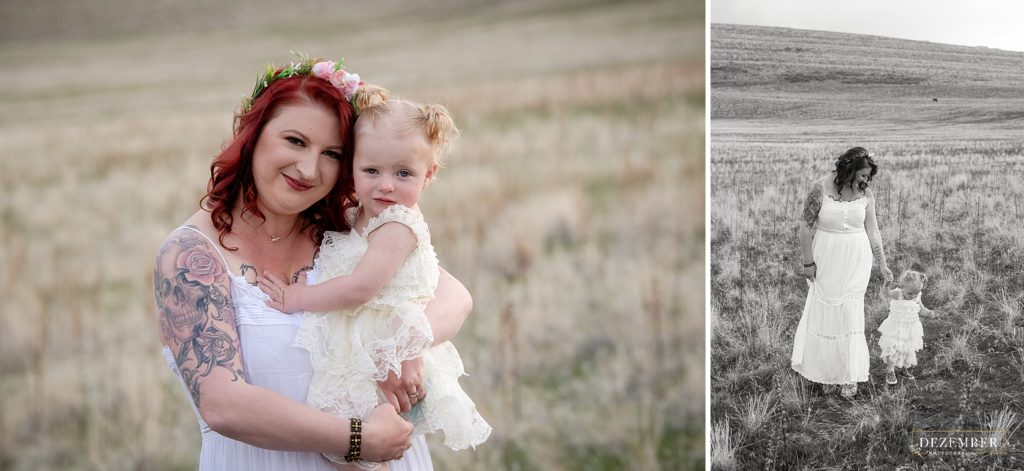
(346, 82)
(323, 69)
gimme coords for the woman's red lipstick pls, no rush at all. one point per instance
(295, 184)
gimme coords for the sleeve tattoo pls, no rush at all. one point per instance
(876, 243)
(197, 318)
(812, 205)
(876, 249)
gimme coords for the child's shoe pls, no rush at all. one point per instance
(890, 377)
(849, 390)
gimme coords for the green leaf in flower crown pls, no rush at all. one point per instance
(303, 56)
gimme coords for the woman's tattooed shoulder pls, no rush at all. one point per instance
(196, 316)
(812, 204)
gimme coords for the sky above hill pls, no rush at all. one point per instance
(990, 23)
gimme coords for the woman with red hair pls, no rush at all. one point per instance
(280, 183)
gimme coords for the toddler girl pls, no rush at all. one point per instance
(902, 334)
(377, 278)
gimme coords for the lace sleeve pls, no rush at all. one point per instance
(812, 205)
(409, 217)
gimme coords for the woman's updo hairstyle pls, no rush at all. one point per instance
(849, 163)
(433, 119)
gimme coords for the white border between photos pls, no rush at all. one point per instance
(707, 235)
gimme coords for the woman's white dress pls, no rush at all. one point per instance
(829, 346)
(271, 362)
(351, 350)
(902, 332)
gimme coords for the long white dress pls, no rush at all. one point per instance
(352, 349)
(271, 362)
(829, 346)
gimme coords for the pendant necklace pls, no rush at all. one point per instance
(274, 239)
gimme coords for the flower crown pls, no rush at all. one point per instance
(845, 159)
(331, 71)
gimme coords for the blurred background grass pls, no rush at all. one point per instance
(572, 209)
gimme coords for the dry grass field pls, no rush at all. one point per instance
(947, 130)
(572, 209)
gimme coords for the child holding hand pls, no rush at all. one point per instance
(902, 333)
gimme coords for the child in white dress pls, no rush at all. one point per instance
(366, 316)
(902, 333)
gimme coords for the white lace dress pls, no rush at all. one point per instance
(356, 348)
(902, 333)
(271, 362)
(829, 346)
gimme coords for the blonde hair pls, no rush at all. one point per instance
(915, 275)
(434, 120)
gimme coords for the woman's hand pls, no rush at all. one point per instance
(386, 435)
(283, 297)
(406, 390)
(810, 272)
(887, 273)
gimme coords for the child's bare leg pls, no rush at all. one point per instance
(890, 373)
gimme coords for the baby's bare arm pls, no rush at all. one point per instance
(389, 246)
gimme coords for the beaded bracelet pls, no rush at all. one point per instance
(355, 440)
(355, 444)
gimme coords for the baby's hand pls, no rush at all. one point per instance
(283, 297)
(406, 390)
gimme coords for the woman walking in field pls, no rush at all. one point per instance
(839, 235)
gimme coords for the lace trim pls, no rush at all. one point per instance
(416, 279)
(405, 216)
(899, 358)
(364, 342)
(340, 252)
(853, 230)
(447, 408)
(833, 302)
(834, 338)
(835, 200)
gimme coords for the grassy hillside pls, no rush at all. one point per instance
(572, 210)
(785, 74)
(784, 104)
